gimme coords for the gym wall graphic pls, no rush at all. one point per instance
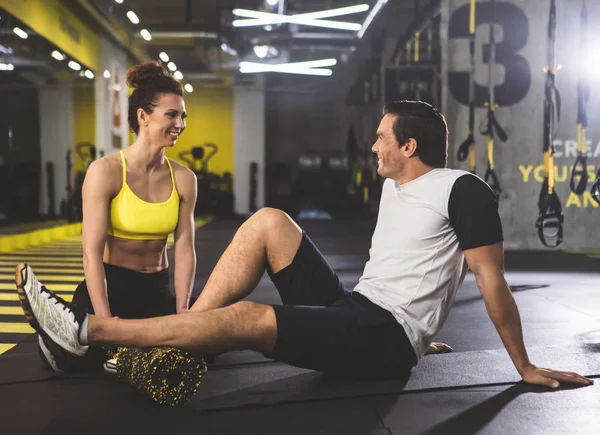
(520, 81)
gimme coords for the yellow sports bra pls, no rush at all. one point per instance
(133, 218)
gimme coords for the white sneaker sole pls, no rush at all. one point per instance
(48, 355)
(21, 280)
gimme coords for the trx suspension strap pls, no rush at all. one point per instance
(550, 220)
(579, 171)
(492, 122)
(467, 148)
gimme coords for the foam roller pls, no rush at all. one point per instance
(168, 376)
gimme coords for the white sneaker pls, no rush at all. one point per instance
(49, 314)
(48, 356)
(110, 366)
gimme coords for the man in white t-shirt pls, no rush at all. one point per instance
(433, 224)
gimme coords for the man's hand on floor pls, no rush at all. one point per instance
(553, 378)
(438, 348)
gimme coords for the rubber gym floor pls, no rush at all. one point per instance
(475, 389)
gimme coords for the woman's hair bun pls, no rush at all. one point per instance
(144, 74)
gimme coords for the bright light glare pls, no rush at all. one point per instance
(74, 65)
(370, 17)
(133, 17)
(145, 34)
(20, 32)
(308, 19)
(57, 55)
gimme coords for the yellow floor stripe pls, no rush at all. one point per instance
(35, 258)
(15, 297)
(39, 270)
(4, 347)
(11, 311)
(55, 251)
(15, 328)
(45, 278)
(36, 264)
(53, 287)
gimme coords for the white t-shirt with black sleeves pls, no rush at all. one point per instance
(416, 260)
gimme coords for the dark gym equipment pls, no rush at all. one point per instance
(253, 186)
(66, 204)
(50, 188)
(215, 193)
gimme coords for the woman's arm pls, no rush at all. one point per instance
(185, 250)
(96, 194)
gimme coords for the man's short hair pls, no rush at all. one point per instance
(426, 125)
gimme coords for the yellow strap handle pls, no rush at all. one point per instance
(408, 50)
(417, 36)
(581, 139)
(490, 142)
(472, 18)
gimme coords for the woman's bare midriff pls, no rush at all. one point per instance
(147, 256)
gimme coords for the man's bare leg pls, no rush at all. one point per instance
(243, 325)
(270, 235)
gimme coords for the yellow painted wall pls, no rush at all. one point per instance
(210, 119)
(84, 118)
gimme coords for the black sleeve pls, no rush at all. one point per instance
(473, 212)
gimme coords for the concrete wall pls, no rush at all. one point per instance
(248, 144)
(111, 117)
(56, 137)
(520, 32)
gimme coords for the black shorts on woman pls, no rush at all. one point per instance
(325, 327)
(131, 295)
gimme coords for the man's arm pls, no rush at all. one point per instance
(487, 264)
(185, 251)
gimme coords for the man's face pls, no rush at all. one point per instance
(391, 160)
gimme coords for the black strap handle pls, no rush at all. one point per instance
(492, 180)
(595, 190)
(463, 149)
(550, 221)
(579, 170)
(498, 130)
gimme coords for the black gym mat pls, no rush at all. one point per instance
(474, 389)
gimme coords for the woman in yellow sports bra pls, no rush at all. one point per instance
(132, 201)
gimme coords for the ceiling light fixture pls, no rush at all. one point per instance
(309, 67)
(20, 32)
(172, 66)
(106, 74)
(309, 19)
(119, 1)
(89, 74)
(188, 88)
(133, 17)
(370, 17)
(178, 75)
(58, 55)
(6, 67)
(146, 35)
(74, 65)
(164, 56)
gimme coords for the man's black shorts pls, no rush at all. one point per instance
(324, 327)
